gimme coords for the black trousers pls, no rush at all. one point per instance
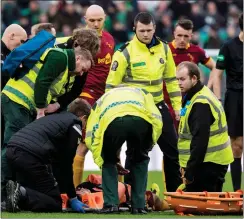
(42, 189)
(234, 112)
(209, 177)
(168, 145)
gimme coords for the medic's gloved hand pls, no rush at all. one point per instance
(77, 205)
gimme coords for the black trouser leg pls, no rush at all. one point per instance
(168, 145)
(235, 169)
(40, 202)
(37, 178)
(209, 177)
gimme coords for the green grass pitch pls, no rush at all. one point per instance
(154, 176)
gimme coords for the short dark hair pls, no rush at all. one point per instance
(79, 107)
(241, 21)
(192, 68)
(144, 18)
(42, 26)
(185, 24)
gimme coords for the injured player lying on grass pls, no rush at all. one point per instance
(90, 193)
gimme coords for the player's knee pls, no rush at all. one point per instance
(82, 150)
(237, 146)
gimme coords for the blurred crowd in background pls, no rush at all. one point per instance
(214, 21)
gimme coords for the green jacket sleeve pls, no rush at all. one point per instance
(54, 64)
(172, 85)
(117, 71)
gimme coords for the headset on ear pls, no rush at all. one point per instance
(134, 29)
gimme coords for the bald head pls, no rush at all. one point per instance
(14, 28)
(94, 10)
(13, 36)
(95, 17)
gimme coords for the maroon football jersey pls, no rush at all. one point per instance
(191, 53)
(97, 75)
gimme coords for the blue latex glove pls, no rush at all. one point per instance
(77, 205)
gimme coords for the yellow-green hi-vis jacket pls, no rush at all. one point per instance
(135, 65)
(22, 91)
(59, 41)
(219, 149)
(120, 102)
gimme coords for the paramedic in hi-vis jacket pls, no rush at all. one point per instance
(28, 98)
(145, 62)
(203, 144)
(123, 114)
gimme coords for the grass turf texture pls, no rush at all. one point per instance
(154, 177)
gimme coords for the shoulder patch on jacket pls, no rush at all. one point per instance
(123, 46)
(114, 65)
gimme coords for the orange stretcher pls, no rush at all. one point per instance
(208, 203)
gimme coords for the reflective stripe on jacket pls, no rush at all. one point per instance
(22, 91)
(219, 149)
(120, 102)
(135, 65)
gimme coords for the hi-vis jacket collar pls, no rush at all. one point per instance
(143, 45)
